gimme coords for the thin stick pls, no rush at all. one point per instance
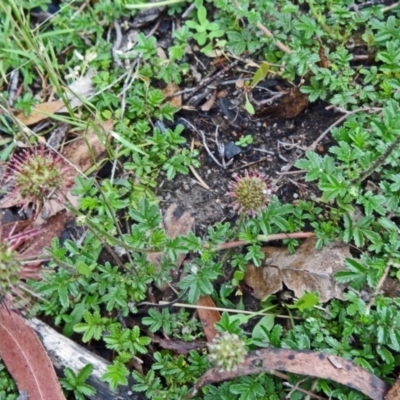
(207, 81)
(337, 122)
(378, 286)
(117, 43)
(230, 310)
(378, 162)
(267, 32)
(143, 6)
(250, 164)
(313, 146)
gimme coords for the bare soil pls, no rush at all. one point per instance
(266, 154)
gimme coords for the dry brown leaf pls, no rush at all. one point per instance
(14, 201)
(11, 226)
(40, 112)
(308, 269)
(162, 54)
(291, 105)
(394, 392)
(169, 92)
(26, 359)
(302, 362)
(178, 346)
(50, 229)
(324, 61)
(81, 88)
(147, 15)
(208, 317)
(53, 207)
(210, 102)
(85, 151)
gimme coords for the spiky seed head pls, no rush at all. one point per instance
(14, 270)
(250, 193)
(36, 174)
(9, 269)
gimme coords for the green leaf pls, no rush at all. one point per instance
(332, 186)
(313, 164)
(202, 15)
(93, 327)
(154, 320)
(83, 269)
(396, 185)
(85, 372)
(87, 390)
(306, 301)
(261, 329)
(126, 143)
(275, 336)
(249, 107)
(116, 374)
(355, 266)
(260, 74)
(385, 354)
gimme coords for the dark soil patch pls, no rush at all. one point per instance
(266, 154)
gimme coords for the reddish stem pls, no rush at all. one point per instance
(267, 238)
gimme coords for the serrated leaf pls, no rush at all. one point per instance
(116, 375)
(385, 354)
(354, 265)
(85, 372)
(388, 224)
(346, 276)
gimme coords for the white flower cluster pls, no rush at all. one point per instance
(227, 351)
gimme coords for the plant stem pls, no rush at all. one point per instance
(267, 238)
(143, 6)
(113, 240)
(378, 162)
(318, 18)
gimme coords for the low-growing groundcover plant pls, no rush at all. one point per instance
(7, 385)
(344, 53)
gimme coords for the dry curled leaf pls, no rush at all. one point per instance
(82, 88)
(290, 106)
(308, 270)
(40, 112)
(310, 363)
(210, 102)
(394, 392)
(170, 93)
(208, 316)
(26, 359)
(86, 151)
